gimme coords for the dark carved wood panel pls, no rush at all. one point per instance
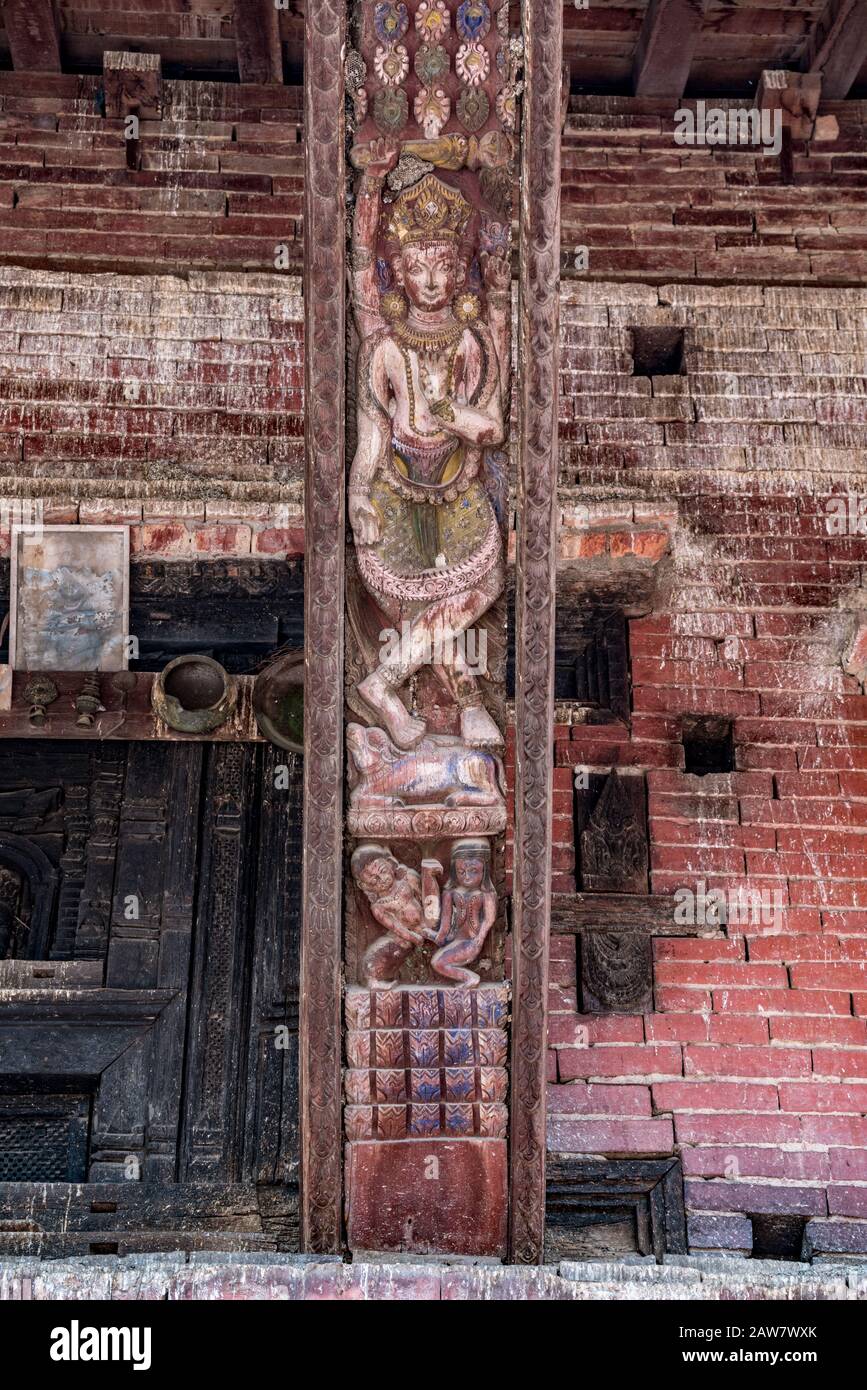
(611, 834)
(536, 588)
(177, 901)
(220, 974)
(120, 856)
(271, 1128)
(610, 1207)
(95, 902)
(325, 391)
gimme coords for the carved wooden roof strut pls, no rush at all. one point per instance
(534, 638)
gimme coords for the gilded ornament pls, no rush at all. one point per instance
(430, 211)
(394, 306)
(466, 307)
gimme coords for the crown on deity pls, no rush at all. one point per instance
(429, 211)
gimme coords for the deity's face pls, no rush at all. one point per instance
(469, 872)
(377, 876)
(430, 274)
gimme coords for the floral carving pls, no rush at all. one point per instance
(432, 20)
(431, 64)
(474, 107)
(390, 22)
(432, 110)
(390, 108)
(507, 108)
(391, 65)
(472, 64)
(473, 19)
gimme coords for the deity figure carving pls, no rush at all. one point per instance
(394, 893)
(429, 547)
(414, 910)
(467, 912)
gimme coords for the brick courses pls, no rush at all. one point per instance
(759, 1040)
(151, 372)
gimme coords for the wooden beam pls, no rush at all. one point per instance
(837, 48)
(31, 26)
(126, 713)
(536, 587)
(652, 914)
(325, 521)
(666, 44)
(257, 31)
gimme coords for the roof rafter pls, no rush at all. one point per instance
(257, 30)
(666, 45)
(838, 47)
(31, 26)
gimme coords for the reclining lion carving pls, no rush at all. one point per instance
(432, 774)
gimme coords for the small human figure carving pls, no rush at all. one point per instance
(468, 911)
(395, 896)
(413, 910)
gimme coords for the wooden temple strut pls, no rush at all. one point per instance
(539, 318)
(324, 502)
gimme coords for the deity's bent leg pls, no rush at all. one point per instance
(450, 961)
(383, 960)
(433, 634)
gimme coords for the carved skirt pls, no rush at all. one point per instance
(430, 551)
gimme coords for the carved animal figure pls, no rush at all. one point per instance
(431, 774)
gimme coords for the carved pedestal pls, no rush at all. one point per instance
(426, 1088)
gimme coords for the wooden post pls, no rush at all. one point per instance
(539, 321)
(324, 350)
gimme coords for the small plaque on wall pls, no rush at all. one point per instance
(69, 598)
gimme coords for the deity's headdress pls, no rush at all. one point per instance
(429, 211)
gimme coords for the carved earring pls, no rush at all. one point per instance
(394, 306)
(466, 306)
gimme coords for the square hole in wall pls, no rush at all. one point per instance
(777, 1237)
(657, 352)
(708, 744)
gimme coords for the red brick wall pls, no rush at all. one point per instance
(648, 209)
(173, 404)
(217, 183)
(753, 1067)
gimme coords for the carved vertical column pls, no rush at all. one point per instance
(434, 87)
(534, 636)
(324, 304)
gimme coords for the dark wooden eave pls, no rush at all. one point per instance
(652, 48)
(666, 46)
(257, 30)
(838, 47)
(31, 31)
